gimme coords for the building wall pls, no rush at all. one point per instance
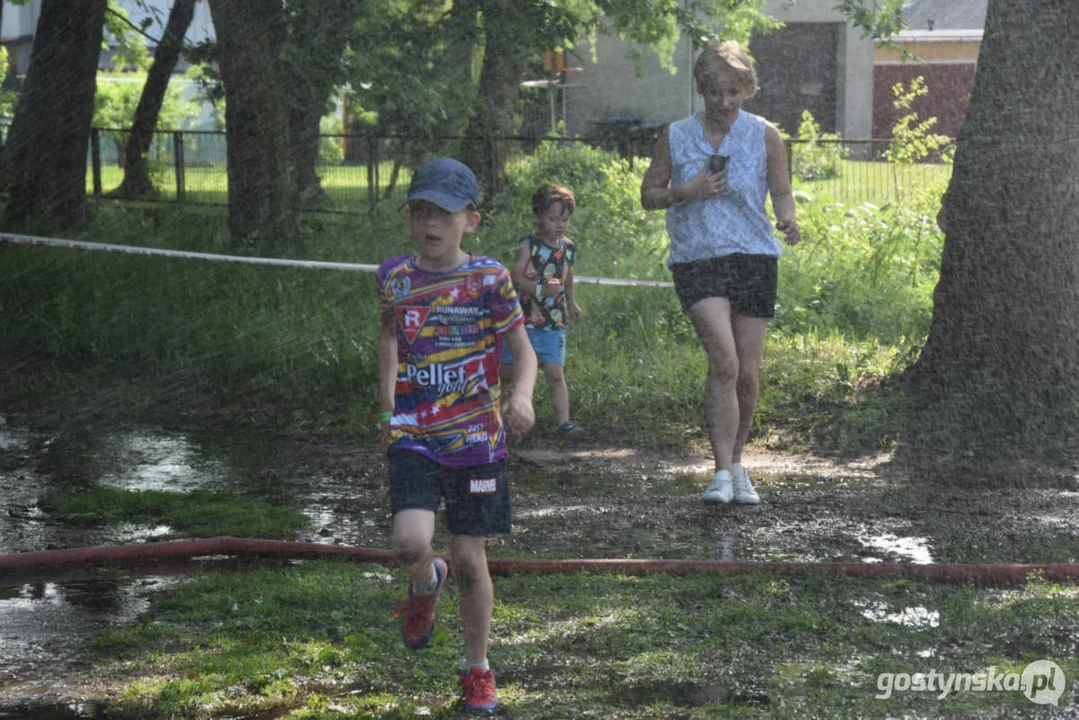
(621, 80)
(797, 70)
(949, 88)
(948, 61)
(613, 84)
(17, 34)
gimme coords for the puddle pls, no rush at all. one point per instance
(912, 617)
(62, 711)
(46, 627)
(158, 462)
(911, 549)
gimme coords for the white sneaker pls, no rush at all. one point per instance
(720, 489)
(743, 488)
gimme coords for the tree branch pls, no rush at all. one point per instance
(135, 27)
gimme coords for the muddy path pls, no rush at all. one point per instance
(580, 501)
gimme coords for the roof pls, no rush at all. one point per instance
(945, 14)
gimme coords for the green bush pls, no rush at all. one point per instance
(812, 159)
(864, 272)
(615, 235)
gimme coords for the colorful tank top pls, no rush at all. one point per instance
(450, 327)
(547, 313)
(738, 221)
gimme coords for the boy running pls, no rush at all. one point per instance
(543, 277)
(445, 316)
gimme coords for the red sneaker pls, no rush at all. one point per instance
(418, 612)
(479, 690)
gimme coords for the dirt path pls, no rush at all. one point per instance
(604, 502)
(618, 502)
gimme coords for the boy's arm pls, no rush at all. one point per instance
(518, 411)
(521, 282)
(571, 304)
(387, 373)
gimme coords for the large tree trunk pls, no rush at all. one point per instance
(320, 33)
(262, 196)
(47, 144)
(1002, 356)
(506, 58)
(136, 183)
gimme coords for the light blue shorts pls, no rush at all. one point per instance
(550, 347)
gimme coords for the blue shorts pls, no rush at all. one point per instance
(550, 347)
(477, 496)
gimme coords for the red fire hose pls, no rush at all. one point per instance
(43, 563)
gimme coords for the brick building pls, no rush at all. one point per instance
(947, 36)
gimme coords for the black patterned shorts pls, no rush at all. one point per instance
(749, 282)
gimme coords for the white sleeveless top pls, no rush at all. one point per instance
(737, 222)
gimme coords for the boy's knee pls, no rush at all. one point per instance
(468, 569)
(410, 549)
(554, 374)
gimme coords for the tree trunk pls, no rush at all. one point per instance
(506, 57)
(136, 183)
(320, 34)
(47, 144)
(1002, 356)
(262, 197)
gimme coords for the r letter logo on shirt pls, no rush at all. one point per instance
(412, 319)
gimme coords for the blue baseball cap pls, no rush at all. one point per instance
(446, 182)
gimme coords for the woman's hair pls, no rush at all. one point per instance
(548, 195)
(726, 57)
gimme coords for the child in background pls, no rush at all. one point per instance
(543, 277)
(445, 316)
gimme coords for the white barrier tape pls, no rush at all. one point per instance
(281, 262)
(132, 250)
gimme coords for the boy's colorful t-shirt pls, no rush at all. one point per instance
(449, 341)
(547, 313)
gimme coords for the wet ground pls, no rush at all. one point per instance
(568, 502)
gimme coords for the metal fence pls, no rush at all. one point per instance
(859, 171)
(849, 171)
(357, 173)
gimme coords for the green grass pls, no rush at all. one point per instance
(318, 638)
(296, 349)
(190, 514)
(877, 183)
(346, 186)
